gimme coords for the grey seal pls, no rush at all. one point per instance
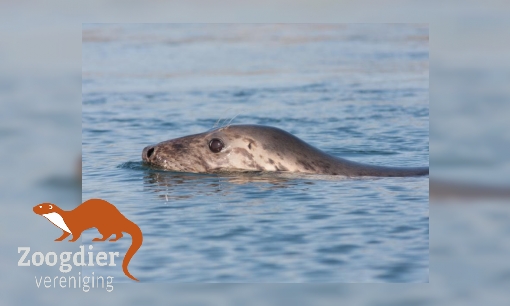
(248, 148)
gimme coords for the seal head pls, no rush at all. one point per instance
(232, 148)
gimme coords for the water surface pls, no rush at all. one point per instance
(358, 92)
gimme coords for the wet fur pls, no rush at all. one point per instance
(258, 148)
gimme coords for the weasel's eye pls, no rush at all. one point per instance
(51, 206)
(216, 145)
(40, 206)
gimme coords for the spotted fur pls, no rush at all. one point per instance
(257, 148)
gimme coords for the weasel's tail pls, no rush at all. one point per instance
(136, 243)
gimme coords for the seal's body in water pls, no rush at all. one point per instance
(257, 148)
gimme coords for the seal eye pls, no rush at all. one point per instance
(216, 145)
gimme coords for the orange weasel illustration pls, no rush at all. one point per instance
(94, 213)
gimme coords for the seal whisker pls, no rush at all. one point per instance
(222, 124)
(225, 120)
(230, 122)
(216, 124)
(221, 119)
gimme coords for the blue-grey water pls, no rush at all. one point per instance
(359, 92)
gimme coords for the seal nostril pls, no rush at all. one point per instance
(149, 153)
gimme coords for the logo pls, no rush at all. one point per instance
(94, 213)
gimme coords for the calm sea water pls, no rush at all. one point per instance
(358, 92)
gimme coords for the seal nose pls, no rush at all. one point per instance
(147, 153)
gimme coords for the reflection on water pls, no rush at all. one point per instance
(459, 191)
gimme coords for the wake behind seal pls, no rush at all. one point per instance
(246, 148)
